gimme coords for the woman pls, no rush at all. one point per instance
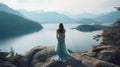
(61, 51)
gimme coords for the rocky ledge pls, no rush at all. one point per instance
(42, 57)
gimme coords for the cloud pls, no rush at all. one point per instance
(71, 6)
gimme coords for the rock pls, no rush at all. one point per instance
(112, 56)
(106, 55)
(3, 55)
(8, 64)
(42, 57)
(87, 60)
(57, 64)
(100, 63)
(71, 63)
(70, 51)
(38, 55)
(9, 61)
(29, 56)
(16, 60)
(98, 49)
(117, 43)
(90, 61)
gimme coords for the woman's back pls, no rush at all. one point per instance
(59, 32)
(62, 54)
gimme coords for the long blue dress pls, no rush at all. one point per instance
(62, 54)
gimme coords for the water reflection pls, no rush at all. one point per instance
(75, 40)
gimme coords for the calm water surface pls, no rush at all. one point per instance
(75, 40)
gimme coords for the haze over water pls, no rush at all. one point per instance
(75, 40)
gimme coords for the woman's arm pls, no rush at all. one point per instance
(57, 34)
(64, 33)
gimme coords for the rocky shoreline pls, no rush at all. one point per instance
(41, 57)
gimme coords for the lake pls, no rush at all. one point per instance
(75, 40)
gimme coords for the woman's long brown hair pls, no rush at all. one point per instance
(61, 28)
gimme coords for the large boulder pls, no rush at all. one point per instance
(42, 57)
(110, 55)
(7, 64)
(100, 63)
(38, 56)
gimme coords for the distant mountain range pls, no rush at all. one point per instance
(5, 8)
(12, 23)
(87, 21)
(108, 17)
(47, 17)
(82, 15)
(54, 17)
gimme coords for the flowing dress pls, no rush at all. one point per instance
(62, 54)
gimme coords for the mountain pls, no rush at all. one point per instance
(82, 15)
(5, 8)
(47, 17)
(109, 17)
(87, 21)
(85, 18)
(13, 25)
(86, 15)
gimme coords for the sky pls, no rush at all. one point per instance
(65, 6)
